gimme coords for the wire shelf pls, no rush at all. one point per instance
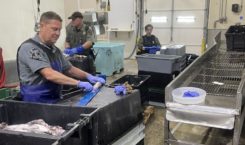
(217, 90)
(221, 74)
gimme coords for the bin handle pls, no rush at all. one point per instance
(80, 123)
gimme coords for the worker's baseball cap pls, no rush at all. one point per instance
(76, 15)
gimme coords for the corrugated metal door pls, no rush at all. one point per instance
(178, 21)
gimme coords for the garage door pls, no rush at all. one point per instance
(178, 21)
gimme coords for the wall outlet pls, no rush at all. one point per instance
(235, 8)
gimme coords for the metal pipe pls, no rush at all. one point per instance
(78, 5)
(220, 13)
(225, 16)
(241, 5)
(172, 22)
(139, 22)
(153, 10)
(205, 29)
(220, 9)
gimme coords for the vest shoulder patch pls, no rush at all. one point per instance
(35, 53)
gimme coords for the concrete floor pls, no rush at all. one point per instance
(154, 130)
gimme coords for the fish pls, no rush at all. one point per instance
(38, 126)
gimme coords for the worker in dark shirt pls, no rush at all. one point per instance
(148, 43)
(79, 39)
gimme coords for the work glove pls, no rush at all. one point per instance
(152, 51)
(75, 50)
(191, 94)
(157, 48)
(93, 79)
(146, 48)
(86, 86)
(120, 90)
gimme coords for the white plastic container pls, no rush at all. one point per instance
(180, 97)
(173, 50)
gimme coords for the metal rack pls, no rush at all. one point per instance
(221, 74)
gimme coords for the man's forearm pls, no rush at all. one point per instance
(57, 77)
(77, 73)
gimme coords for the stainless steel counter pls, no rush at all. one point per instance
(221, 74)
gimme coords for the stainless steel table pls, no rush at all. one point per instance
(221, 74)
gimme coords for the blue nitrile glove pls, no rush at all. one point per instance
(147, 48)
(75, 50)
(93, 79)
(85, 85)
(152, 51)
(191, 94)
(157, 48)
(120, 90)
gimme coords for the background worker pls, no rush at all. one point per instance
(148, 43)
(79, 39)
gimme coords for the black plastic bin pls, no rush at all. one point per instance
(75, 120)
(137, 82)
(85, 63)
(190, 58)
(235, 38)
(158, 80)
(157, 95)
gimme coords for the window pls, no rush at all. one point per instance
(186, 19)
(159, 19)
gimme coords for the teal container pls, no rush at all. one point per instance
(110, 56)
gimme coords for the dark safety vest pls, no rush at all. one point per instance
(149, 41)
(47, 92)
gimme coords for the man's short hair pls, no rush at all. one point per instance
(147, 26)
(50, 15)
(76, 15)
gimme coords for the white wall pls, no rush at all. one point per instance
(124, 37)
(17, 23)
(232, 18)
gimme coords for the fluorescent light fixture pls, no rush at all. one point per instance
(159, 19)
(186, 19)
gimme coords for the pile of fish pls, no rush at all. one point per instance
(38, 126)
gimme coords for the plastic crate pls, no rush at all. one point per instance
(13, 112)
(137, 82)
(7, 93)
(190, 58)
(174, 50)
(235, 38)
(109, 57)
(166, 64)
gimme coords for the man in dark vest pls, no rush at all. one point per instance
(42, 66)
